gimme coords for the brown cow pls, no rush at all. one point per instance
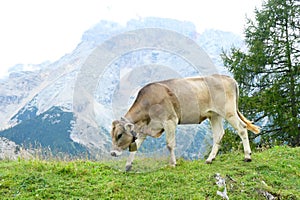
(160, 106)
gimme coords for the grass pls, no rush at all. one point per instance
(276, 171)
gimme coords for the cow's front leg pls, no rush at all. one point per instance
(170, 127)
(130, 159)
(139, 141)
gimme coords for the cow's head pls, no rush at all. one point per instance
(123, 137)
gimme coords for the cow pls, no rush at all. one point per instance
(160, 106)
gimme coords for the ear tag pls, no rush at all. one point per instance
(132, 147)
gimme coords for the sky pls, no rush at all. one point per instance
(34, 31)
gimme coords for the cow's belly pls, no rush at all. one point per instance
(190, 113)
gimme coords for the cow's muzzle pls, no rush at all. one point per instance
(115, 153)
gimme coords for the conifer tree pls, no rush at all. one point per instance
(268, 72)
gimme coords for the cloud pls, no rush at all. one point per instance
(34, 31)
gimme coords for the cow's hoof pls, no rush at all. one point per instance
(247, 160)
(128, 168)
(208, 161)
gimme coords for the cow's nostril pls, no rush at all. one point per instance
(113, 154)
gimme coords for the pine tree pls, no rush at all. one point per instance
(268, 72)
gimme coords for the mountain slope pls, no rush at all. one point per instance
(26, 97)
(50, 131)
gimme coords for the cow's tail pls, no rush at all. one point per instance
(251, 127)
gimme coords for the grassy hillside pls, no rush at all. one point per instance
(274, 172)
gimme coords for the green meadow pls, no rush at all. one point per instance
(274, 171)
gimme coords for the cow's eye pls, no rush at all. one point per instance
(119, 136)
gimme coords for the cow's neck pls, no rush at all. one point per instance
(135, 114)
(137, 120)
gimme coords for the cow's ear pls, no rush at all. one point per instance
(129, 126)
(114, 123)
(124, 119)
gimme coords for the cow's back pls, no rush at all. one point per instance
(198, 96)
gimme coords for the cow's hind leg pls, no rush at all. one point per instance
(218, 132)
(170, 127)
(240, 126)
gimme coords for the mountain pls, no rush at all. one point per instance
(50, 105)
(49, 131)
(10, 150)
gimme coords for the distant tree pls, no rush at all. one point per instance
(268, 72)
